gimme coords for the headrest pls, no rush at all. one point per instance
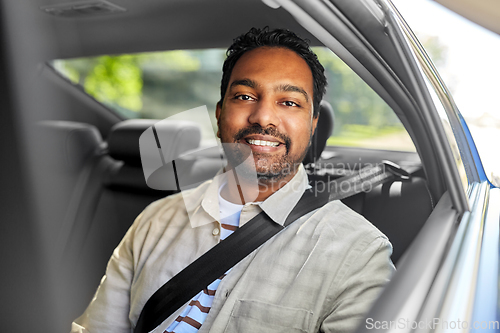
(180, 136)
(323, 131)
(67, 145)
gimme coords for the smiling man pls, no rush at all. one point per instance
(320, 274)
(271, 111)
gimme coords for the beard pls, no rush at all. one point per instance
(268, 167)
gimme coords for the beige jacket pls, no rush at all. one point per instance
(321, 274)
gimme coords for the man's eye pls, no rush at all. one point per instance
(244, 97)
(290, 103)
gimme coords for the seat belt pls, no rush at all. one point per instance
(218, 260)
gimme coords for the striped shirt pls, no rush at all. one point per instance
(191, 319)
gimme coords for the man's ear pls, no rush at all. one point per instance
(218, 110)
(314, 124)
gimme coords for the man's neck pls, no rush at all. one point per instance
(240, 190)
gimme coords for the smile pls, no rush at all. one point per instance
(263, 143)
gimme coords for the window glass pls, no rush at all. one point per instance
(449, 131)
(362, 118)
(152, 85)
(161, 84)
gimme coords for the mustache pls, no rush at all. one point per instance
(257, 129)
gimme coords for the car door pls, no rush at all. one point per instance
(449, 275)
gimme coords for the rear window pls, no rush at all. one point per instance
(160, 84)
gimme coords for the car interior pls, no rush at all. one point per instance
(90, 178)
(105, 189)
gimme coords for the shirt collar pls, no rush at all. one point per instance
(202, 204)
(203, 208)
(280, 204)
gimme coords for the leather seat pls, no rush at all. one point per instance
(73, 163)
(324, 130)
(151, 169)
(397, 208)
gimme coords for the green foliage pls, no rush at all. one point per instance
(390, 137)
(362, 118)
(178, 60)
(117, 81)
(69, 69)
(353, 101)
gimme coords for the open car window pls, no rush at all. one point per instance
(160, 84)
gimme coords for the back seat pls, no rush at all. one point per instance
(73, 161)
(97, 189)
(124, 192)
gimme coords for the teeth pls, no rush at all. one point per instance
(263, 143)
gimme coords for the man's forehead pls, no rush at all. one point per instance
(287, 70)
(271, 53)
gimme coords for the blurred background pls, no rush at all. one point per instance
(467, 57)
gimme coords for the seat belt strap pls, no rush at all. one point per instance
(218, 260)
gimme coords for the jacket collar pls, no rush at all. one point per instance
(202, 203)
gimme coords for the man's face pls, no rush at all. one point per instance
(268, 106)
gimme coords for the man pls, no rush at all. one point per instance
(320, 274)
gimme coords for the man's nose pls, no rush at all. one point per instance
(265, 113)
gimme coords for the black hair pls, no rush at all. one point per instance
(256, 38)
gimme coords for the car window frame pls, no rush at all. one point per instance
(392, 72)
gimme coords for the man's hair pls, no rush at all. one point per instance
(256, 38)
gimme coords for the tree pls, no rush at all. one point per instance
(117, 81)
